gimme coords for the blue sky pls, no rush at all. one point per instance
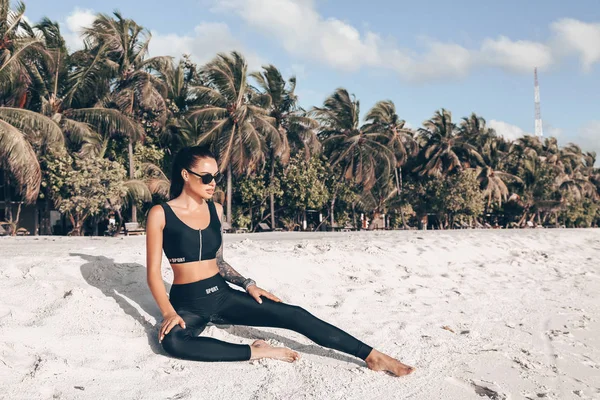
(467, 56)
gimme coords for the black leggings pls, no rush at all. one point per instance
(213, 300)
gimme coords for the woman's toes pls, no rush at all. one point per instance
(292, 355)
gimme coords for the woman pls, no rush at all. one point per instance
(188, 229)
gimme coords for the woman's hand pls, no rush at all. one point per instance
(169, 321)
(256, 292)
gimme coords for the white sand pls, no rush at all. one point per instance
(77, 319)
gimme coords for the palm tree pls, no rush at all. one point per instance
(526, 146)
(473, 130)
(22, 57)
(493, 184)
(357, 154)
(88, 130)
(492, 181)
(574, 172)
(384, 119)
(383, 195)
(592, 173)
(180, 81)
(92, 127)
(21, 132)
(114, 61)
(114, 58)
(539, 181)
(443, 146)
(21, 54)
(237, 128)
(289, 120)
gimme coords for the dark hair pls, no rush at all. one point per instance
(185, 158)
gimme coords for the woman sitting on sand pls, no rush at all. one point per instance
(188, 229)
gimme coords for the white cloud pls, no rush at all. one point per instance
(308, 35)
(588, 139)
(518, 56)
(508, 131)
(201, 44)
(551, 131)
(80, 19)
(304, 33)
(441, 60)
(75, 22)
(579, 37)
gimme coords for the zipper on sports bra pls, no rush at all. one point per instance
(200, 251)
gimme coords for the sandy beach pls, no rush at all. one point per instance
(498, 314)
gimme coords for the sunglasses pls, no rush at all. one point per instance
(208, 177)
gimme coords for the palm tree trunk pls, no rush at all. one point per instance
(424, 221)
(523, 217)
(95, 226)
(36, 225)
(16, 222)
(251, 218)
(272, 195)
(399, 188)
(133, 206)
(228, 194)
(75, 223)
(304, 224)
(337, 186)
(332, 206)
(119, 224)
(46, 227)
(7, 197)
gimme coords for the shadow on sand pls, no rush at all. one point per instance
(123, 283)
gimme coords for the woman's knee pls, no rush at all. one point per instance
(174, 342)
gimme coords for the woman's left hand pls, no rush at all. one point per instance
(256, 292)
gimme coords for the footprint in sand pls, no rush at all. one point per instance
(335, 305)
(383, 291)
(376, 272)
(482, 388)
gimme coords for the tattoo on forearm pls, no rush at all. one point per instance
(227, 271)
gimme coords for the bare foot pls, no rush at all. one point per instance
(262, 349)
(378, 361)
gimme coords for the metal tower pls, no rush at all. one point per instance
(538, 115)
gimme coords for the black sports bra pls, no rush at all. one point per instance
(183, 244)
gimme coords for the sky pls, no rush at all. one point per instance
(466, 55)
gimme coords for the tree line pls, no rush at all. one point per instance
(93, 133)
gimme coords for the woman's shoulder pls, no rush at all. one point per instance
(159, 206)
(157, 210)
(218, 207)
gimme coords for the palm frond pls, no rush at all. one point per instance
(18, 155)
(136, 190)
(38, 128)
(108, 122)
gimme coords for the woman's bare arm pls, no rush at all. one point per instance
(154, 238)
(226, 270)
